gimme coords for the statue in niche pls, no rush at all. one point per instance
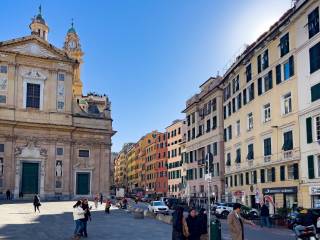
(1, 166)
(59, 168)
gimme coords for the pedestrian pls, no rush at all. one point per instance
(107, 207)
(36, 203)
(179, 225)
(96, 200)
(193, 225)
(78, 214)
(235, 223)
(87, 216)
(124, 203)
(203, 224)
(264, 216)
(8, 194)
(101, 198)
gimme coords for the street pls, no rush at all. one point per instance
(55, 221)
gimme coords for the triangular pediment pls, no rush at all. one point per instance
(34, 46)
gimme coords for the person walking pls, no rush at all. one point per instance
(36, 203)
(236, 223)
(193, 225)
(101, 198)
(179, 225)
(87, 216)
(107, 207)
(96, 200)
(8, 194)
(78, 214)
(264, 216)
(203, 224)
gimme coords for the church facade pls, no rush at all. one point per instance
(53, 140)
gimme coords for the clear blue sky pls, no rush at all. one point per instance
(148, 56)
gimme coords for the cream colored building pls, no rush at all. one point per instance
(49, 144)
(261, 126)
(121, 167)
(308, 51)
(175, 133)
(204, 137)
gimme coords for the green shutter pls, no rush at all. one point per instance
(296, 171)
(259, 86)
(310, 167)
(270, 79)
(291, 66)
(282, 173)
(278, 74)
(309, 130)
(273, 174)
(315, 92)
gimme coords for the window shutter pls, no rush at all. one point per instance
(266, 58)
(259, 86)
(262, 177)
(244, 96)
(282, 173)
(315, 92)
(270, 79)
(273, 174)
(291, 66)
(290, 140)
(278, 74)
(310, 167)
(296, 171)
(254, 177)
(309, 129)
(259, 63)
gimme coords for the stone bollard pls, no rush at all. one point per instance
(147, 213)
(164, 218)
(138, 214)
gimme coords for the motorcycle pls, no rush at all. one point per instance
(308, 233)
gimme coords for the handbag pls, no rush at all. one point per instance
(185, 229)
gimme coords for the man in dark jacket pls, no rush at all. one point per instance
(264, 216)
(203, 223)
(87, 216)
(193, 225)
(177, 224)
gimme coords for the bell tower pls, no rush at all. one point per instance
(39, 27)
(73, 48)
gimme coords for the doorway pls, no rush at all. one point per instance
(82, 183)
(30, 178)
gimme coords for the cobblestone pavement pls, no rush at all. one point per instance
(18, 221)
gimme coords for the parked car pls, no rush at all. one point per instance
(223, 209)
(158, 207)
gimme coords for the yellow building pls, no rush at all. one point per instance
(121, 167)
(261, 124)
(132, 168)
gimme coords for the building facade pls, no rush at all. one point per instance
(48, 143)
(121, 167)
(204, 140)
(161, 162)
(261, 125)
(308, 77)
(175, 133)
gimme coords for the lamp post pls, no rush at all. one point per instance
(208, 177)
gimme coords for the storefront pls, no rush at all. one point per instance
(285, 197)
(315, 196)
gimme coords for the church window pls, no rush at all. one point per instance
(33, 95)
(84, 153)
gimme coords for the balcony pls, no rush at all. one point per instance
(201, 162)
(267, 158)
(287, 155)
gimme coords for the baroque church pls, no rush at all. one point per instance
(54, 140)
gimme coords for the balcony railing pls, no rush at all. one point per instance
(201, 162)
(287, 155)
(267, 158)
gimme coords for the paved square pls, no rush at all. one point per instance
(18, 221)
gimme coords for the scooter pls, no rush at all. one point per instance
(308, 233)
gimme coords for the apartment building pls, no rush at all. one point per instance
(175, 134)
(121, 167)
(308, 77)
(261, 121)
(204, 139)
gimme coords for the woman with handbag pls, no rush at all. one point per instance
(36, 203)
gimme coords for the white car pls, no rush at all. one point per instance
(223, 209)
(158, 207)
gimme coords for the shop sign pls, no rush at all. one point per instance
(280, 190)
(314, 190)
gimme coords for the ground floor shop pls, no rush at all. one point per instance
(310, 194)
